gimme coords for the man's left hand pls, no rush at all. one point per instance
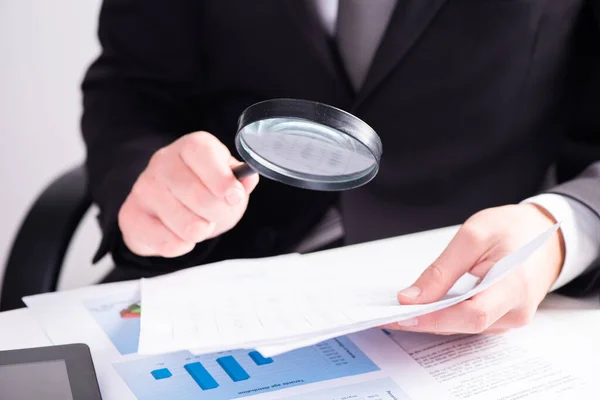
(483, 240)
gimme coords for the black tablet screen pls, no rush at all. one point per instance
(35, 380)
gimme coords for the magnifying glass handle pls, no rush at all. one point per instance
(242, 171)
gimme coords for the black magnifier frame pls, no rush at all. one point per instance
(316, 113)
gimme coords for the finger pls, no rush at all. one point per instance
(248, 182)
(147, 236)
(515, 318)
(158, 201)
(397, 327)
(470, 316)
(192, 193)
(494, 331)
(209, 160)
(461, 254)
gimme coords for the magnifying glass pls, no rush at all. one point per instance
(306, 144)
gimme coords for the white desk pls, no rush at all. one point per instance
(18, 329)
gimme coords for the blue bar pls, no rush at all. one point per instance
(201, 376)
(162, 373)
(233, 368)
(259, 359)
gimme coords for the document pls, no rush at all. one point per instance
(550, 358)
(557, 354)
(107, 319)
(510, 366)
(284, 303)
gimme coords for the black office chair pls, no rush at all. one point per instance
(39, 248)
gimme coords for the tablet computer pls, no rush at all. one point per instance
(51, 373)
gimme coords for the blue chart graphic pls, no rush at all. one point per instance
(235, 374)
(122, 327)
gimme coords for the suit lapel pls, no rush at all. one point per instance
(305, 22)
(409, 21)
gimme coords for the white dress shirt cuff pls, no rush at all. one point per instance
(580, 227)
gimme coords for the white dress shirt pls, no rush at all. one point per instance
(580, 226)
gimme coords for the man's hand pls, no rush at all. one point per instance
(484, 239)
(187, 194)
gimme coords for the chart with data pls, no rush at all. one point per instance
(119, 318)
(235, 374)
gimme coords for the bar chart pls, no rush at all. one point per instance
(240, 373)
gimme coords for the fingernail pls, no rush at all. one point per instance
(409, 322)
(411, 292)
(234, 196)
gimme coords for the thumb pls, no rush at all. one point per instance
(462, 253)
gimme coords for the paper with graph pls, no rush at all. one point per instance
(107, 318)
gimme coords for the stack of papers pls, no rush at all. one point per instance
(279, 304)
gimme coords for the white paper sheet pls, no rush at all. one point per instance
(281, 303)
(521, 364)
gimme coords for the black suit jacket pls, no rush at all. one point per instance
(474, 100)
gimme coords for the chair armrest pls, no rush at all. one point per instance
(39, 248)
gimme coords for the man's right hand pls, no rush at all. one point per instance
(186, 194)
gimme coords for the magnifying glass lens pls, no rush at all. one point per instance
(308, 145)
(306, 149)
